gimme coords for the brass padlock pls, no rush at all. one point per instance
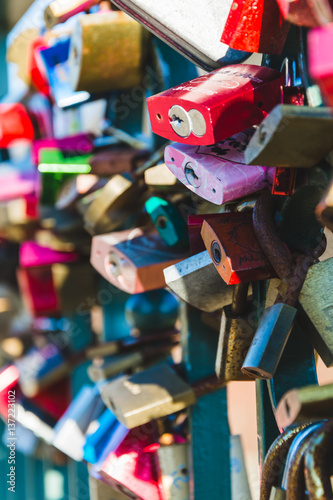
(113, 60)
(292, 136)
(236, 334)
(305, 404)
(315, 309)
(152, 394)
(112, 205)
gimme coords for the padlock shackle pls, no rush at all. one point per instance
(264, 227)
(280, 447)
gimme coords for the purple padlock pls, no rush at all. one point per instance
(217, 173)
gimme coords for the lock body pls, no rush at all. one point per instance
(269, 341)
(212, 107)
(196, 281)
(114, 61)
(169, 222)
(305, 404)
(217, 173)
(255, 27)
(236, 335)
(133, 260)
(234, 248)
(147, 395)
(316, 309)
(291, 136)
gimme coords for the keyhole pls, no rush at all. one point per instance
(287, 408)
(191, 176)
(176, 120)
(162, 222)
(216, 252)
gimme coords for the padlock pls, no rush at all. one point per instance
(117, 160)
(236, 335)
(131, 468)
(317, 462)
(324, 210)
(167, 22)
(255, 28)
(274, 460)
(169, 222)
(173, 461)
(40, 368)
(305, 404)
(217, 173)
(293, 480)
(70, 431)
(196, 281)
(234, 248)
(15, 124)
(58, 12)
(46, 280)
(153, 393)
(320, 62)
(133, 260)
(160, 178)
(291, 136)
(105, 438)
(306, 13)
(315, 309)
(115, 61)
(74, 145)
(34, 71)
(194, 223)
(114, 204)
(212, 107)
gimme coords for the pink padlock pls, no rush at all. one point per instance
(131, 468)
(133, 260)
(35, 278)
(320, 42)
(34, 255)
(15, 185)
(79, 144)
(217, 173)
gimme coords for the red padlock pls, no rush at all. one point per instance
(215, 106)
(35, 69)
(132, 469)
(15, 123)
(320, 41)
(255, 26)
(309, 13)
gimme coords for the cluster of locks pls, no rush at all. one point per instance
(165, 229)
